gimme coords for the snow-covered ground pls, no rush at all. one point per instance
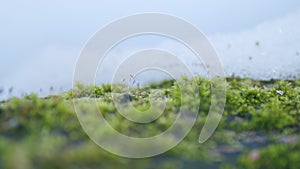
(270, 50)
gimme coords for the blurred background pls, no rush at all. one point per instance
(40, 41)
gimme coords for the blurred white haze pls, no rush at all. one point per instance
(268, 51)
(43, 61)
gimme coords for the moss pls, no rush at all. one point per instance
(273, 156)
(45, 133)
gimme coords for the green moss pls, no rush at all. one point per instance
(45, 133)
(273, 156)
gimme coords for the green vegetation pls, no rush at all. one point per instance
(259, 128)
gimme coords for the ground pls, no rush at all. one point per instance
(259, 128)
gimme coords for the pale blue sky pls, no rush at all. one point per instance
(29, 28)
